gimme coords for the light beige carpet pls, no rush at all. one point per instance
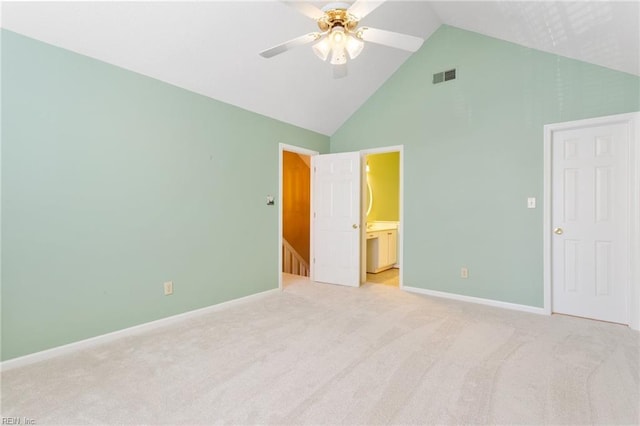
(322, 354)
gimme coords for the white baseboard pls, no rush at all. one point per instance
(478, 300)
(130, 331)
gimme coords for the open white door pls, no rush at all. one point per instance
(336, 218)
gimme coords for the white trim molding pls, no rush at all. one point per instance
(633, 121)
(476, 300)
(126, 332)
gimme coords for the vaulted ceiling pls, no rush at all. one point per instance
(212, 48)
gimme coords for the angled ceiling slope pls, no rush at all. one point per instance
(187, 44)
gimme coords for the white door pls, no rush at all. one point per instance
(590, 240)
(336, 218)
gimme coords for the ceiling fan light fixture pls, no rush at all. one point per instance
(322, 49)
(338, 56)
(338, 37)
(354, 46)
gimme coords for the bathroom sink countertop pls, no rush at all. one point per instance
(381, 226)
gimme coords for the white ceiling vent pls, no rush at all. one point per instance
(443, 76)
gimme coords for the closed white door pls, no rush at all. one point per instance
(590, 240)
(336, 218)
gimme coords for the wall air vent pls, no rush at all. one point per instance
(443, 76)
(450, 75)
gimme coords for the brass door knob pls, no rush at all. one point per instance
(354, 226)
(558, 231)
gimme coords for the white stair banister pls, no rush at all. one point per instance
(292, 262)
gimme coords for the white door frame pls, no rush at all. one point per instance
(633, 120)
(363, 212)
(298, 150)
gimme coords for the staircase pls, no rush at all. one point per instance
(292, 262)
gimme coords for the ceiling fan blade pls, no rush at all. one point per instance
(288, 45)
(306, 9)
(390, 38)
(361, 8)
(340, 71)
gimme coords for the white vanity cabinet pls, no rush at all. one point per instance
(382, 249)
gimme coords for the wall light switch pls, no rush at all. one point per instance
(168, 288)
(531, 202)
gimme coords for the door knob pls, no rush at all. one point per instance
(354, 226)
(558, 231)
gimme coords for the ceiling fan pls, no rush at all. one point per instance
(340, 38)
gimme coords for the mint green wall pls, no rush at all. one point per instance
(474, 153)
(384, 178)
(113, 183)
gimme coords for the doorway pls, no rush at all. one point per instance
(381, 261)
(591, 225)
(294, 236)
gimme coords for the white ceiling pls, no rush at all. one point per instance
(212, 48)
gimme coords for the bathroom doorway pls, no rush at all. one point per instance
(382, 211)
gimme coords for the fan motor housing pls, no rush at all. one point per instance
(337, 17)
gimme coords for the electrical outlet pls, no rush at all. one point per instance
(464, 272)
(168, 288)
